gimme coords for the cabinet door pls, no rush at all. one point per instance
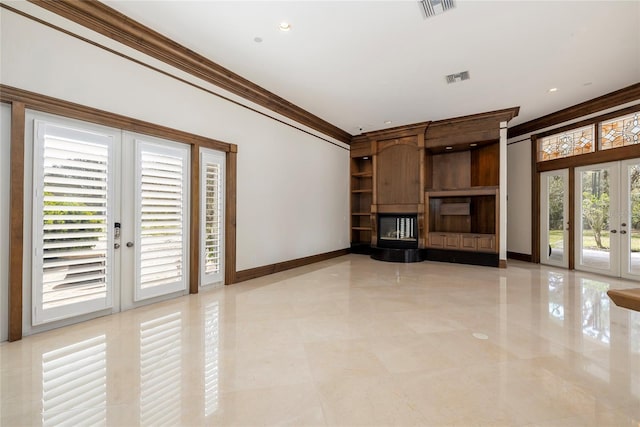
(436, 240)
(452, 241)
(486, 243)
(468, 242)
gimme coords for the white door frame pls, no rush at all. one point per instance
(545, 256)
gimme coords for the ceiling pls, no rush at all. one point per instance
(369, 65)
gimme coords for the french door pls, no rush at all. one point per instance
(607, 237)
(110, 219)
(554, 218)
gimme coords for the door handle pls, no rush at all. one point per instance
(624, 224)
(116, 245)
(623, 232)
(612, 232)
(129, 244)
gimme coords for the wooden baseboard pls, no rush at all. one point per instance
(519, 256)
(253, 273)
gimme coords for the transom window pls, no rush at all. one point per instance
(565, 144)
(618, 132)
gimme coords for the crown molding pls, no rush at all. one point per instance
(107, 21)
(610, 100)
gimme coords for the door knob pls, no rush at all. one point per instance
(612, 232)
(624, 224)
(129, 244)
(116, 245)
(623, 231)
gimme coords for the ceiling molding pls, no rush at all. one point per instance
(104, 20)
(610, 100)
(48, 104)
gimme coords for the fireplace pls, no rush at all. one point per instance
(399, 231)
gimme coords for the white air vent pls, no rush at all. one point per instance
(458, 77)
(435, 7)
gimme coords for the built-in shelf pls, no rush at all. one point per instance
(361, 213)
(361, 228)
(368, 190)
(362, 174)
(464, 192)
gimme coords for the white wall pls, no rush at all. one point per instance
(292, 198)
(5, 138)
(519, 196)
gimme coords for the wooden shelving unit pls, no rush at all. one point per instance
(361, 193)
(446, 173)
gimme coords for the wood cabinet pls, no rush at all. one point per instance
(470, 214)
(447, 173)
(462, 241)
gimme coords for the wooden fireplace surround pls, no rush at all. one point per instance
(447, 172)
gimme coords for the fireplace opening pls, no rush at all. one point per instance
(397, 231)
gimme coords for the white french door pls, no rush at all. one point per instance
(630, 218)
(73, 217)
(554, 218)
(110, 220)
(607, 210)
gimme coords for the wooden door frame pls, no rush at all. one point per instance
(21, 100)
(571, 163)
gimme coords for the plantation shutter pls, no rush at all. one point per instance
(72, 226)
(162, 173)
(212, 174)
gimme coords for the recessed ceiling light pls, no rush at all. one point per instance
(587, 84)
(448, 148)
(285, 26)
(365, 158)
(257, 39)
(480, 336)
(387, 122)
(553, 89)
(473, 145)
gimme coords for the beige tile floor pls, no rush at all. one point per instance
(349, 341)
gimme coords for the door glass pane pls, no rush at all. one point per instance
(633, 172)
(595, 212)
(556, 221)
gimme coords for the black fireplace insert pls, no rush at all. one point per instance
(397, 231)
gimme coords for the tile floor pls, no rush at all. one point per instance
(349, 341)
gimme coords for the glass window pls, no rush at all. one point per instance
(620, 132)
(566, 144)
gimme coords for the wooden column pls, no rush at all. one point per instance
(16, 220)
(194, 262)
(230, 216)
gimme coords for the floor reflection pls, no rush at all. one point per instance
(595, 310)
(74, 384)
(211, 354)
(161, 370)
(333, 346)
(556, 295)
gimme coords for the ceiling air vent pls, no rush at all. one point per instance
(458, 77)
(435, 7)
